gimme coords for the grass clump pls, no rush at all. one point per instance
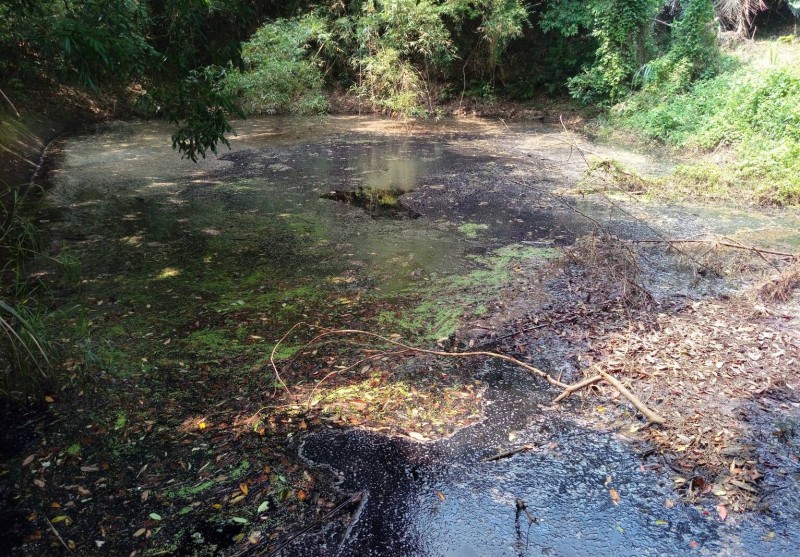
(748, 115)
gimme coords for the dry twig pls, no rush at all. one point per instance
(727, 244)
(494, 355)
(510, 452)
(577, 387)
(649, 414)
(53, 528)
(640, 406)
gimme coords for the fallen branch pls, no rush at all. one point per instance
(14, 108)
(568, 389)
(493, 355)
(510, 452)
(352, 499)
(272, 359)
(577, 387)
(53, 528)
(731, 245)
(526, 330)
(640, 406)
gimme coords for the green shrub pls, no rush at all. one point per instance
(749, 107)
(281, 70)
(392, 84)
(401, 46)
(623, 29)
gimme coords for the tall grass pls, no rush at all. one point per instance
(24, 353)
(24, 362)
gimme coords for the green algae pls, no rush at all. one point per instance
(473, 229)
(187, 492)
(440, 308)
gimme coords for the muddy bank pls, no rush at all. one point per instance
(590, 493)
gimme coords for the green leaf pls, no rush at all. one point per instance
(263, 507)
(155, 516)
(240, 520)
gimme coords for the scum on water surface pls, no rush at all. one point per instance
(191, 273)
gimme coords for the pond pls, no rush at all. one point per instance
(347, 209)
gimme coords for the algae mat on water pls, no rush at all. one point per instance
(190, 274)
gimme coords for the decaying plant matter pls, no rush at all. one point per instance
(652, 416)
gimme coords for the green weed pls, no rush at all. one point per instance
(751, 108)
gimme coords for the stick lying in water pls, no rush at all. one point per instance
(342, 332)
(568, 389)
(510, 452)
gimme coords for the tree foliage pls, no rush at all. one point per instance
(199, 60)
(281, 68)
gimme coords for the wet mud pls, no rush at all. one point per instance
(445, 498)
(378, 203)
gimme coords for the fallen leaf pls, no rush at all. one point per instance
(139, 532)
(669, 503)
(302, 495)
(254, 537)
(722, 511)
(38, 483)
(263, 507)
(155, 516)
(417, 436)
(93, 468)
(244, 488)
(661, 522)
(614, 496)
(440, 495)
(49, 399)
(28, 460)
(693, 544)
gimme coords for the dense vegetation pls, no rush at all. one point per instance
(197, 61)
(748, 113)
